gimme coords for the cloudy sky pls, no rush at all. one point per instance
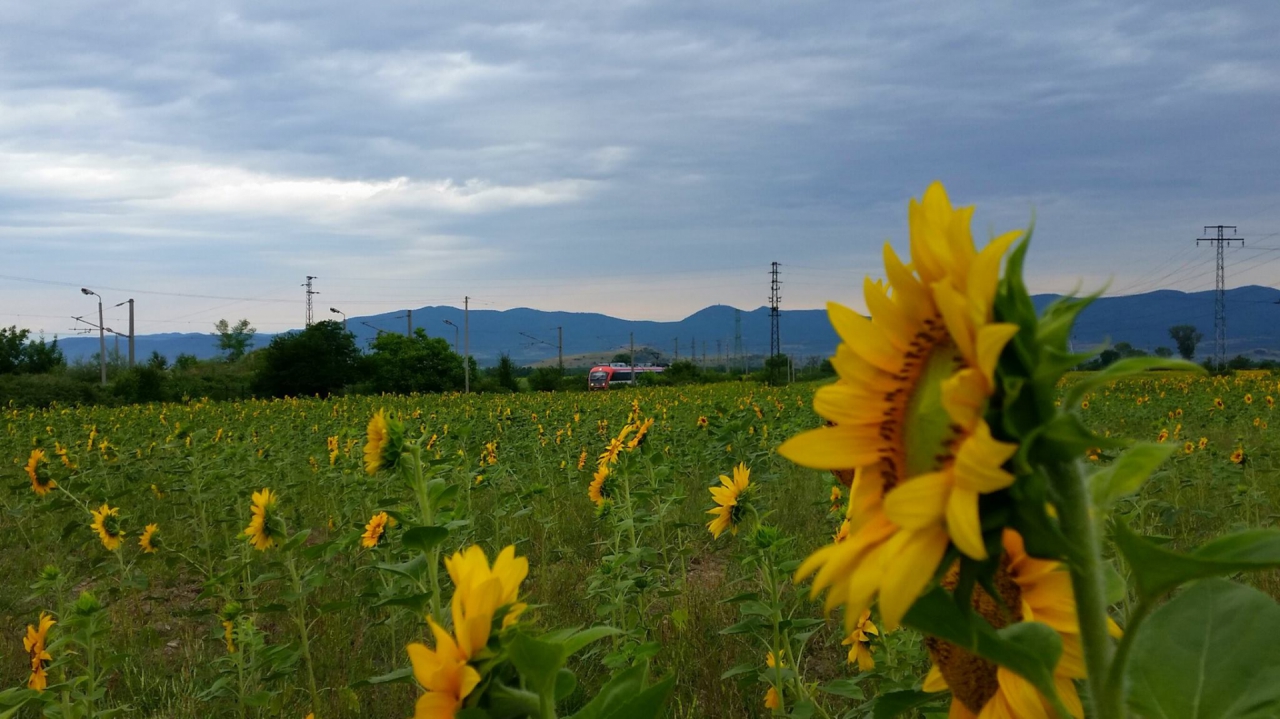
(642, 159)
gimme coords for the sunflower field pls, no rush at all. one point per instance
(959, 525)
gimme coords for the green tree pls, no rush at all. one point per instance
(621, 358)
(19, 355)
(1186, 338)
(419, 363)
(1164, 352)
(319, 360)
(506, 374)
(235, 339)
(545, 379)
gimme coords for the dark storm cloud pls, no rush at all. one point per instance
(520, 150)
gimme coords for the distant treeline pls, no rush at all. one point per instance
(322, 359)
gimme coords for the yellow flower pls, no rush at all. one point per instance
(641, 433)
(375, 530)
(1204, 442)
(41, 482)
(34, 644)
(375, 448)
(582, 459)
(907, 414)
(702, 422)
(1217, 403)
(444, 673)
(1188, 447)
(610, 453)
(332, 443)
(1164, 435)
(728, 511)
(1248, 398)
(771, 700)
(261, 530)
(148, 540)
(598, 493)
(771, 662)
(480, 591)
(1035, 590)
(859, 642)
(1084, 404)
(106, 522)
(1237, 457)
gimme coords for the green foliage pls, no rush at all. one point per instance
(20, 355)
(1186, 338)
(1158, 570)
(1210, 653)
(505, 374)
(43, 390)
(235, 339)
(319, 360)
(405, 365)
(545, 379)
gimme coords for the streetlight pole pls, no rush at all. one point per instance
(337, 311)
(102, 336)
(130, 303)
(466, 345)
(455, 335)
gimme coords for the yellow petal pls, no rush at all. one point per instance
(862, 336)
(979, 460)
(934, 681)
(963, 523)
(827, 448)
(913, 557)
(990, 343)
(919, 501)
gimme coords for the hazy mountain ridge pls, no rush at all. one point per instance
(1253, 326)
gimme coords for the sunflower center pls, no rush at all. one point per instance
(973, 680)
(927, 430)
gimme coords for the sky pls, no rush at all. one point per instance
(640, 159)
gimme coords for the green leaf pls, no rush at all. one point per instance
(1029, 649)
(738, 669)
(537, 661)
(1210, 653)
(647, 704)
(1121, 369)
(578, 640)
(424, 539)
(1158, 570)
(400, 675)
(1126, 474)
(566, 682)
(891, 704)
(848, 688)
(621, 685)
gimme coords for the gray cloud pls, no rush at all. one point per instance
(640, 158)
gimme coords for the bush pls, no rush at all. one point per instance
(419, 363)
(43, 390)
(140, 385)
(545, 379)
(320, 360)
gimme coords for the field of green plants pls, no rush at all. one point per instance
(240, 559)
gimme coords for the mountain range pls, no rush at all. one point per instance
(530, 336)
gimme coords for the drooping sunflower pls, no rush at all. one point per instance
(1032, 590)
(149, 541)
(106, 522)
(598, 492)
(262, 531)
(375, 531)
(385, 442)
(332, 445)
(859, 642)
(35, 644)
(729, 498)
(907, 414)
(642, 433)
(41, 482)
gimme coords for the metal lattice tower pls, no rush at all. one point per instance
(775, 297)
(310, 293)
(1219, 297)
(737, 338)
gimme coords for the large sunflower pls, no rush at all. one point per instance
(599, 491)
(41, 482)
(35, 644)
(375, 530)
(907, 414)
(729, 499)
(106, 522)
(261, 530)
(1032, 590)
(385, 443)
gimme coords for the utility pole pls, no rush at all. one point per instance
(633, 359)
(718, 362)
(704, 354)
(102, 336)
(455, 335)
(130, 303)
(775, 296)
(737, 340)
(466, 345)
(560, 348)
(409, 322)
(310, 292)
(1220, 298)
(676, 357)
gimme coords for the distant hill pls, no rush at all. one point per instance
(1253, 327)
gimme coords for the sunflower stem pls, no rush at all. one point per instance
(1088, 582)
